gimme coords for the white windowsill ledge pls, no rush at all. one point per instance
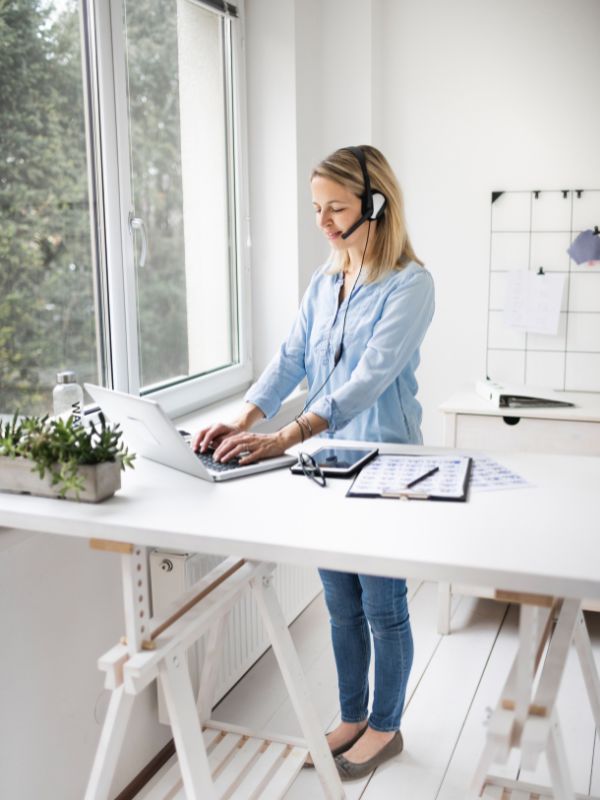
(226, 410)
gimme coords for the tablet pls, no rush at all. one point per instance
(340, 462)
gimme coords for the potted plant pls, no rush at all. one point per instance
(62, 458)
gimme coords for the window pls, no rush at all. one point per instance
(142, 287)
(47, 297)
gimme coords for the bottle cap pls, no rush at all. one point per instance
(66, 377)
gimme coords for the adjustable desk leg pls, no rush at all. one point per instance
(210, 669)
(136, 598)
(588, 667)
(189, 743)
(540, 731)
(506, 723)
(530, 627)
(134, 575)
(558, 766)
(109, 746)
(295, 682)
(146, 655)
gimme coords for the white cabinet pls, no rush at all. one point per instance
(471, 423)
(559, 436)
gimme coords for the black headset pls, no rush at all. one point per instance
(372, 203)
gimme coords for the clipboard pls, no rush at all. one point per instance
(387, 476)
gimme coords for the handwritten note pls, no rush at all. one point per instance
(532, 302)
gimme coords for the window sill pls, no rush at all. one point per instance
(227, 409)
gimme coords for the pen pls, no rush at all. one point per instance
(422, 477)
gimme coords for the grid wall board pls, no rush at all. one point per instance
(532, 230)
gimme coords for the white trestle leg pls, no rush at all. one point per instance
(214, 761)
(185, 725)
(526, 717)
(110, 744)
(297, 687)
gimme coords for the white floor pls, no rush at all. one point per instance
(454, 682)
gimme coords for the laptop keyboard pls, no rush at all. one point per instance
(218, 466)
(207, 459)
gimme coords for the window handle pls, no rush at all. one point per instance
(137, 224)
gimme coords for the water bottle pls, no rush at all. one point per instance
(67, 397)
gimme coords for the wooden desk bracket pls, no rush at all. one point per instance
(213, 760)
(526, 717)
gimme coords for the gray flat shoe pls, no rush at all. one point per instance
(349, 771)
(342, 748)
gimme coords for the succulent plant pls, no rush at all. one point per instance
(60, 446)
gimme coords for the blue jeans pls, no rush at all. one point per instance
(353, 601)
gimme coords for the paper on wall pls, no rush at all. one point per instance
(532, 302)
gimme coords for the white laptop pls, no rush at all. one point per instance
(149, 432)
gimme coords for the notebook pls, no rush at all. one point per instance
(403, 477)
(149, 432)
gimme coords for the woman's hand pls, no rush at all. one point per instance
(213, 436)
(249, 447)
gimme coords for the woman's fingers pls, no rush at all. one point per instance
(231, 447)
(230, 443)
(247, 447)
(211, 436)
(197, 438)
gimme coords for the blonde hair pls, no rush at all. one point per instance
(391, 248)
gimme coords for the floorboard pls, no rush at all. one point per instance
(453, 686)
(436, 714)
(470, 743)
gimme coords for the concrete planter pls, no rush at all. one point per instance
(100, 480)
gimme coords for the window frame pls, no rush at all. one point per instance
(108, 133)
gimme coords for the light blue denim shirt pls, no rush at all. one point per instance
(371, 394)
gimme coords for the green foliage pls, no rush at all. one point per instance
(59, 446)
(46, 274)
(47, 281)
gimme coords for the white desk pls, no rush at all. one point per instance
(471, 422)
(542, 540)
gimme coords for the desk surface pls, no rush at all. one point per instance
(542, 539)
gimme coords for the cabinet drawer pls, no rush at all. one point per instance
(479, 431)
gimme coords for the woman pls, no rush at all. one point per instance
(356, 339)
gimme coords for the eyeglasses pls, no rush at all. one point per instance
(311, 469)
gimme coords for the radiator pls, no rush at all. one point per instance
(244, 639)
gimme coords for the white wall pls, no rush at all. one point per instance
(481, 96)
(309, 92)
(272, 146)
(333, 100)
(463, 98)
(60, 608)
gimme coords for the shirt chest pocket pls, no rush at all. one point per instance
(318, 343)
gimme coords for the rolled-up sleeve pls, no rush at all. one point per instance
(397, 335)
